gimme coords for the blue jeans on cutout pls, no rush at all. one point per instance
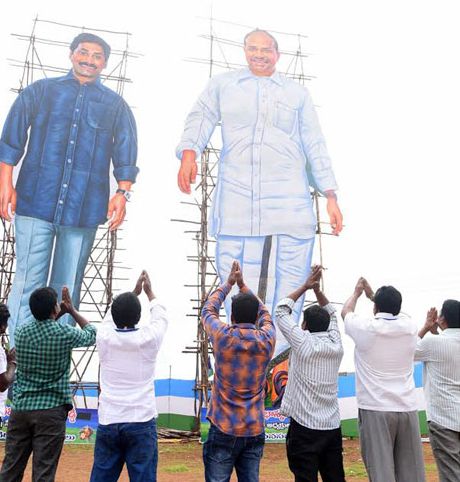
(34, 257)
(222, 452)
(133, 443)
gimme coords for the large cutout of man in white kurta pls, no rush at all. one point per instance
(273, 152)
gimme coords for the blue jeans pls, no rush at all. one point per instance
(34, 257)
(222, 452)
(133, 443)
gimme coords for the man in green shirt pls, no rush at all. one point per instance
(42, 395)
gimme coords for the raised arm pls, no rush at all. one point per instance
(210, 311)
(423, 352)
(7, 377)
(158, 316)
(350, 305)
(431, 323)
(283, 312)
(87, 335)
(264, 321)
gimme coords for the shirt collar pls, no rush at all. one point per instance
(126, 330)
(386, 316)
(251, 326)
(451, 331)
(246, 73)
(69, 76)
(49, 320)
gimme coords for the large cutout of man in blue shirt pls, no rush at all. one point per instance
(71, 128)
(273, 151)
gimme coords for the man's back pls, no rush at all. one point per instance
(128, 360)
(314, 361)
(242, 353)
(44, 350)
(441, 355)
(384, 350)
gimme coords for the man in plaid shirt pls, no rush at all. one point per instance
(42, 395)
(242, 351)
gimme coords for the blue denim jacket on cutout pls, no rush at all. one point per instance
(73, 131)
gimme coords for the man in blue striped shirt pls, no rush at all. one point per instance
(314, 438)
(441, 382)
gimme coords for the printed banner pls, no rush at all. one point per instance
(81, 426)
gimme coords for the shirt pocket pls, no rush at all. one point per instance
(285, 117)
(99, 115)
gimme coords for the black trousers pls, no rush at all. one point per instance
(310, 451)
(39, 431)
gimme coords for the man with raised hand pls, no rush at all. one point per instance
(441, 382)
(314, 438)
(242, 351)
(389, 431)
(128, 353)
(67, 131)
(42, 397)
(273, 152)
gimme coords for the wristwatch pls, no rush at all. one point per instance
(126, 194)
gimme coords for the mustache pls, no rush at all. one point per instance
(86, 64)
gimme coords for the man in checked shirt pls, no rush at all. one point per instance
(42, 395)
(314, 438)
(242, 351)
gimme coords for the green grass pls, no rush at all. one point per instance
(431, 468)
(175, 469)
(355, 470)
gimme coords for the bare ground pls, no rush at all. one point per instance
(179, 461)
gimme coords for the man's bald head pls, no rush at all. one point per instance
(261, 50)
(264, 32)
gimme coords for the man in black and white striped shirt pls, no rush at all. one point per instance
(441, 380)
(314, 439)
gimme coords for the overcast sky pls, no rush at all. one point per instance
(386, 83)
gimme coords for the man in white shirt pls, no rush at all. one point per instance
(127, 409)
(385, 389)
(441, 380)
(7, 362)
(314, 439)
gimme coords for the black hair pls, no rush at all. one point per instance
(388, 299)
(42, 303)
(245, 307)
(451, 313)
(316, 319)
(89, 37)
(4, 314)
(126, 310)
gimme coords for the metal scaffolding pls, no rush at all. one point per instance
(46, 50)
